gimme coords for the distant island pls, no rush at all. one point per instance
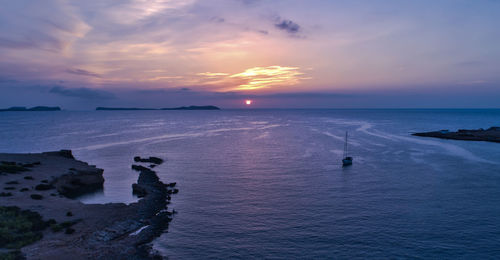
(25, 109)
(173, 108)
(491, 134)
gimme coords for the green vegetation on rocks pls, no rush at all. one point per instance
(9, 168)
(19, 227)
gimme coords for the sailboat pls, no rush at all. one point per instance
(347, 159)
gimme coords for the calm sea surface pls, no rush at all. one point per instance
(269, 184)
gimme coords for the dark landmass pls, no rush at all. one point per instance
(24, 109)
(193, 108)
(40, 220)
(124, 108)
(491, 134)
(174, 108)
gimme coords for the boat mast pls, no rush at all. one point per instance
(345, 145)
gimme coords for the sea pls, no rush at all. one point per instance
(269, 184)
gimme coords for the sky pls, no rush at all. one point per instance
(280, 53)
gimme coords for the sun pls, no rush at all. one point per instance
(248, 102)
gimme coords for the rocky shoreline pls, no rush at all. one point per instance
(491, 134)
(44, 185)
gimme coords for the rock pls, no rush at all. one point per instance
(29, 165)
(45, 181)
(28, 178)
(172, 184)
(9, 188)
(80, 182)
(176, 191)
(43, 187)
(36, 196)
(140, 168)
(8, 163)
(151, 159)
(139, 190)
(24, 189)
(12, 182)
(69, 231)
(5, 194)
(69, 214)
(152, 166)
(62, 153)
(491, 134)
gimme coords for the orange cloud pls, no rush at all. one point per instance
(257, 78)
(212, 74)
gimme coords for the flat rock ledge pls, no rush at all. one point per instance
(491, 134)
(46, 183)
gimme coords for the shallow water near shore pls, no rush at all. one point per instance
(269, 183)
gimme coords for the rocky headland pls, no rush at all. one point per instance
(491, 134)
(41, 219)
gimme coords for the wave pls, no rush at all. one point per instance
(262, 136)
(164, 137)
(450, 148)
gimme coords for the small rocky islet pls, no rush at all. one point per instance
(41, 218)
(491, 134)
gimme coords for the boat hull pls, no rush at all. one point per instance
(347, 161)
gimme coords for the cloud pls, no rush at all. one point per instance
(212, 74)
(287, 25)
(307, 95)
(265, 77)
(252, 78)
(14, 44)
(85, 93)
(470, 63)
(83, 73)
(52, 25)
(249, 2)
(217, 19)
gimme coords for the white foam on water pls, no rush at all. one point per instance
(163, 138)
(269, 126)
(262, 136)
(307, 153)
(259, 122)
(449, 148)
(105, 135)
(140, 140)
(337, 152)
(135, 233)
